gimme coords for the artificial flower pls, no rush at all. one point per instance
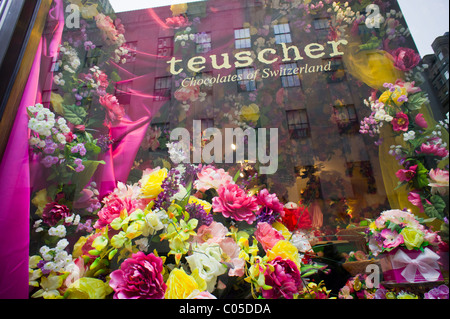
(54, 212)
(405, 175)
(285, 250)
(206, 259)
(395, 95)
(40, 200)
(210, 177)
(181, 285)
(270, 207)
(211, 234)
(433, 149)
(439, 181)
(400, 122)
(412, 237)
(440, 292)
(206, 206)
(405, 59)
(233, 202)
(178, 9)
(88, 288)
(230, 256)
(49, 287)
(114, 111)
(284, 279)
(139, 277)
(188, 93)
(420, 121)
(267, 236)
(392, 239)
(296, 218)
(250, 113)
(151, 183)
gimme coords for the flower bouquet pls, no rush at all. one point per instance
(403, 243)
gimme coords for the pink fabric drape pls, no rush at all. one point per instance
(15, 186)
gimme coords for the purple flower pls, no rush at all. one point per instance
(198, 212)
(48, 161)
(170, 187)
(440, 292)
(79, 148)
(270, 207)
(139, 277)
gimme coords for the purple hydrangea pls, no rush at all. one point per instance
(440, 292)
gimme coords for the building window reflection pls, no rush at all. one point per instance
(282, 33)
(246, 85)
(92, 57)
(322, 28)
(165, 47)
(298, 124)
(288, 78)
(163, 86)
(242, 38)
(203, 42)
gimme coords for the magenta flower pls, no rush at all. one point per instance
(405, 59)
(433, 149)
(139, 277)
(235, 203)
(421, 121)
(271, 208)
(405, 175)
(392, 239)
(54, 212)
(285, 279)
(400, 122)
(414, 198)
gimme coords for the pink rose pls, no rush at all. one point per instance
(233, 202)
(405, 59)
(400, 122)
(421, 121)
(139, 277)
(231, 251)
(267, 236)
(405, 175)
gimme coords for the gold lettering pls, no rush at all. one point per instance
(262, 59)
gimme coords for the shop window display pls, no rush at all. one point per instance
(124, 178)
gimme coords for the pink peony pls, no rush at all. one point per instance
(433, 149)
(231, 252)
(270, 205)
(405, 59)
(420, 121)
(54, 212)
(405, 175)
(233, 202)
(210, 177)
(114, 204)
(409, 86)
(400, 122)
(139, 277)
(285, 279)
(267, 236)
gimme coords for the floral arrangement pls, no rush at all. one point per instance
(400, 228)
(358, 288)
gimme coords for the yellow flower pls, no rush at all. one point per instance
(40, 200)
(178, 9)
(151, 183)
(283, 229)
(412, 237)
(88, 288)
(384, 98)
(89, 12)
(250, 113)
(180, 285)
(285, 250)
(49, 287)
(206, 206)
(405, 295)
(57, 100)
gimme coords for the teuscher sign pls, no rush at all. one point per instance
(267, 56)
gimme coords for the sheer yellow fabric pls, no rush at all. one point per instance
(373, 67)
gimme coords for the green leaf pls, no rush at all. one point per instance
(438, 203)
(83, 177)
(74, 114)
(416, 101)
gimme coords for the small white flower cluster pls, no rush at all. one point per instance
(58, 231)
(120, 55)
(176, 152)
(43, 122)
(57, 259)
(395, 150)
(409, 136)
(70, 61)
(378, 108)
